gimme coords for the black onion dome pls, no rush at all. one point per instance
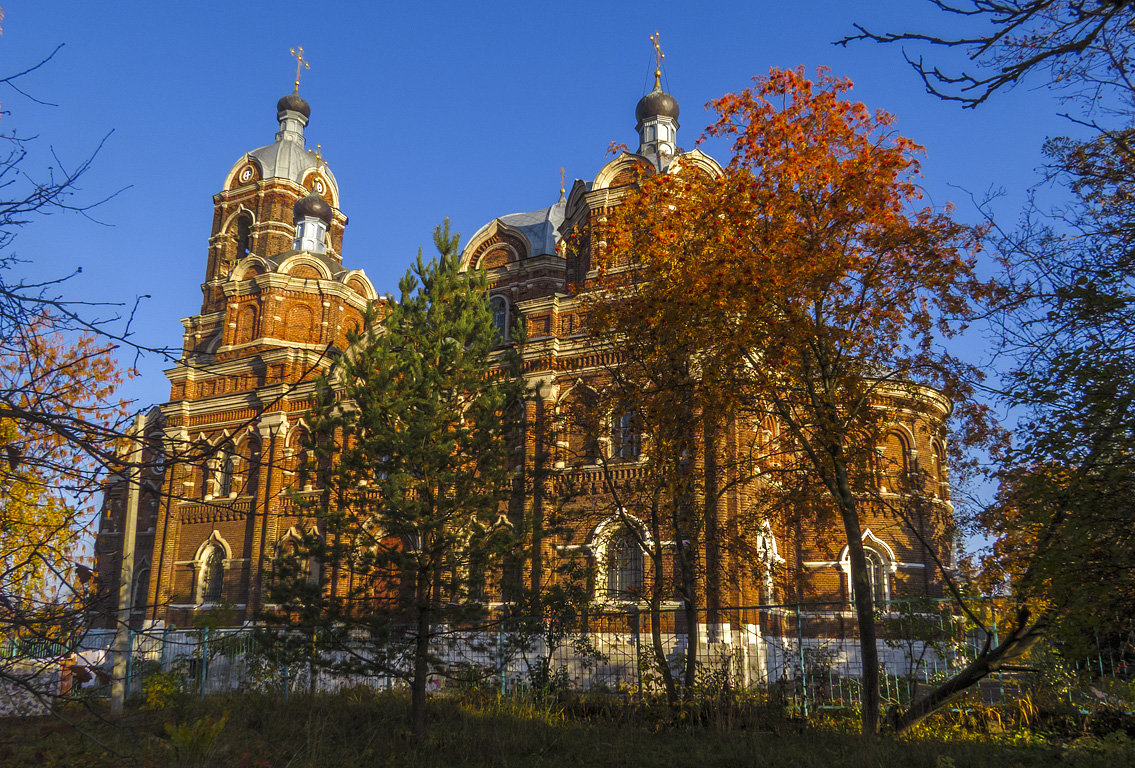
(657, 103)
(312, 205)
(295, 103)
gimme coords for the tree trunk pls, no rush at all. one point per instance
(713, 554)
(1020, 640)
(864, 604)
(688, 585)
(421, 661)
(656, 618)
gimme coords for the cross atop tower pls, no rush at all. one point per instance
(561, 182)
(301, 63)
(658, 57)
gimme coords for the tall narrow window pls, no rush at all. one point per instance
(876, 576)
(225, 479)
(938, 482)
(624, 577)
(499, 305)
(212, 575)
(305, 470)
(243, 237)
(250, 456)
(628, 444)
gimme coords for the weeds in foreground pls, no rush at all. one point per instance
(480, 728)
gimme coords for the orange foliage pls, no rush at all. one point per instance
(809, 278)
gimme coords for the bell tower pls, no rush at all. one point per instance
(278, 307)
(253, 213)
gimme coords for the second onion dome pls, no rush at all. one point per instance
(312, 218)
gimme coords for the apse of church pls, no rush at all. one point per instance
(226, 461)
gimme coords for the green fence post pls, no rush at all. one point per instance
(800, 654)
(500, 659)
(129, 661)
(638, 653)
(996, 643)
(203, 674)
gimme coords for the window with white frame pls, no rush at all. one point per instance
(622, 565)
(225, 477)
(876, 576)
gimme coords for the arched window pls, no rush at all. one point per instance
(938, 482)
(291, 561)
(250, 461)
(243, 237)
(225, 477)
(302, 470)
(155, 452)
(622, 556)
(499, 306)
(211, 574)
(876, 576)
(305, 470)
(203, 474)
(628, 444)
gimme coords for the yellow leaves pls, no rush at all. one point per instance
(58, 422)
(37, 537)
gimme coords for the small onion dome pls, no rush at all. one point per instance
(312, 205)
(293, 102)
(657, 103)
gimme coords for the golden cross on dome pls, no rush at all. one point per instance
(561, 181)
(301, 63)
(658, 57)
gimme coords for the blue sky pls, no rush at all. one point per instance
(444, 109)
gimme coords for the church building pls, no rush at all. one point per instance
(225, 458)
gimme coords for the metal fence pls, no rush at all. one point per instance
(807, 655)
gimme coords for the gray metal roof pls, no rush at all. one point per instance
(287, 157)
(541, 228)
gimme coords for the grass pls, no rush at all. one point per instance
(362, 728)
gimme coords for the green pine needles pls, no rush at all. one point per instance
(414, 436)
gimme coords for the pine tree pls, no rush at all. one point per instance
(414, 436)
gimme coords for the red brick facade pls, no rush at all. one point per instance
(215, 510)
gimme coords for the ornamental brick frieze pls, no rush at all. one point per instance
(538, 364)
(218, 417)
(597, 481)
(214, 513)
(597, 360)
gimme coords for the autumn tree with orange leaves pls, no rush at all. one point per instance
(814, 283)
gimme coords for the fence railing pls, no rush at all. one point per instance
(805, 654)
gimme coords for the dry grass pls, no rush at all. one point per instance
(360, 728)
